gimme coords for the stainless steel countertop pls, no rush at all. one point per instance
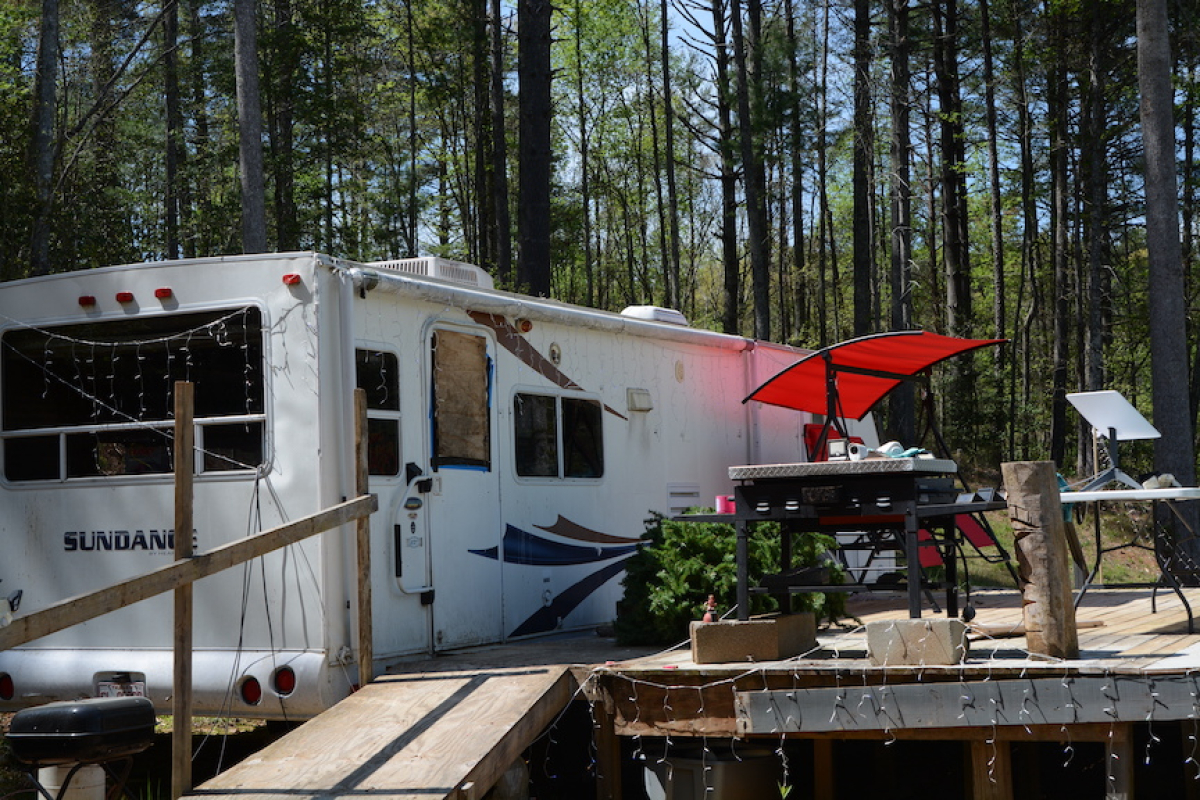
(816, 469)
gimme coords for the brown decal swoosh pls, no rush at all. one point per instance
(515, 343)
(570, 530)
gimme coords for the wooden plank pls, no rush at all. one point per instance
(83, 607)
(181, 680)
(406, 737)
(1066, 700)
(362, 545)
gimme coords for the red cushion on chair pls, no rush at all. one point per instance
(929, 556)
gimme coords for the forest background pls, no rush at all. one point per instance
(796, 170)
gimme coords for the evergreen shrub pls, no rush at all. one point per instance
(668, 581)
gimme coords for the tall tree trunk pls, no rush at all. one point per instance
(413, 205)
(480, 247)
(903, 407)
(995, 190)
(585, 167)
(174, 146)
(1174, 451)
(796, 143)
(1029, 223)
(250, 160)
(533, 216)
(675, 294)
(825, 298)
(746, 54)
(1059, 192)
(864, 145)
(283, 128)
(730, 263)
(656, 150)
(1094, 175)
(196, 239)
(44, 149)
(959, 416)
(502, 223)
(953, 168)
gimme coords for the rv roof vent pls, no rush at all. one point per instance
(440, 268)
(655, 314)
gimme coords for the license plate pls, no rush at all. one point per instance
(115, 689)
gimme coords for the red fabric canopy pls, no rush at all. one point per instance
(896, 355)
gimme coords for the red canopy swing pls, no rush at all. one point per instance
(846, 380)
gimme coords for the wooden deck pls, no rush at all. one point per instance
(450, 727)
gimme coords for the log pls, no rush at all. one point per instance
(1043, 562)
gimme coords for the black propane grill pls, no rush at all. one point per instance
(80, 732)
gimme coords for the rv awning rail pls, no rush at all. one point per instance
(534, 308)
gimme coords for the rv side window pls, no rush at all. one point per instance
(96, 399)
(535, 425)
(378, 373)
(583, 444)
(462, 388)
(546, 425)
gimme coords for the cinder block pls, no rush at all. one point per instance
(917, 642)
(767, 638)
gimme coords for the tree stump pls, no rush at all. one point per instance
(1043, 561)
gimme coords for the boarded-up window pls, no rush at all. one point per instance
(461, 399)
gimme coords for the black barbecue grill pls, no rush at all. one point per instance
(94, 731)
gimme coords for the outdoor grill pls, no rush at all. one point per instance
(89, 731)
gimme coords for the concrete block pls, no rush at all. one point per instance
(917, 642)
(767, 638)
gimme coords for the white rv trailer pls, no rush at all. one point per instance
(516, 447)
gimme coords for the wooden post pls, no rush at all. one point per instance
(1119, 760)
(608, 749)
(824, 774)
(366, 650)
(1043, 564)
(991, 770)
(181, 702)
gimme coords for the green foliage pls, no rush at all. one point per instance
(668, 581)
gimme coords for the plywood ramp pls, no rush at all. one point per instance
(417, 735)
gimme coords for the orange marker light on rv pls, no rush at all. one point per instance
(124, 297)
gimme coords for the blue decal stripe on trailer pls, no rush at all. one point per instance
(522, 547)
(547, 618)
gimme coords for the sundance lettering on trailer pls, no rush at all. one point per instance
(150, 541)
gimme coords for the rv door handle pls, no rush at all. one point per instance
(425, 485)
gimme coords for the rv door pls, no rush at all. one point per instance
(465, 524)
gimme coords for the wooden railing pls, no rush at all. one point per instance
(189, 568)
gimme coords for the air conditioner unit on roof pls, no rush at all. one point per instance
(443, 269)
